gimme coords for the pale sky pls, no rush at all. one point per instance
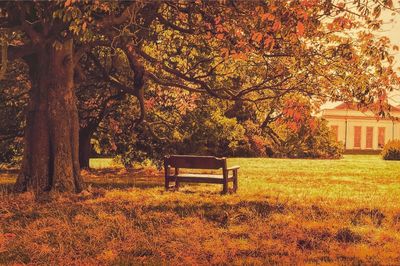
(391, 28)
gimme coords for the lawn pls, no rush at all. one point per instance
(286, 212)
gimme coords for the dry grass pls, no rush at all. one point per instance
(286, 212)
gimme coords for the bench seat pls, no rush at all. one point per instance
(202, 178)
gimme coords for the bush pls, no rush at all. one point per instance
(11, 151)
(307, 142)
(391, 151)
(253, 143)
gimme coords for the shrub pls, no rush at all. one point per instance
(11, 151)
(307, 142)
(253, 143)
(391, 151)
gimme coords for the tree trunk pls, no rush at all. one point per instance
(51, 161)
(84, 147)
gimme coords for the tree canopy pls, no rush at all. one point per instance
(142, 65)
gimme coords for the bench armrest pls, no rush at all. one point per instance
(236, 167)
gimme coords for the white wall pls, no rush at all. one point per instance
(364, 123)
(388, 125)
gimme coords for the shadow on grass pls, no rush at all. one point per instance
(261, 208)
(112, 178)
(106, 178)
(146, 183)
(122, 186)
(123, 179)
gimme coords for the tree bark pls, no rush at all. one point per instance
(84, 147)
(51, 155)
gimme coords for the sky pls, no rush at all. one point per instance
(391, 29)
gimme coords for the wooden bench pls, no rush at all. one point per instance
(199, 162)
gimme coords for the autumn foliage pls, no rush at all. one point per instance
(158, 77)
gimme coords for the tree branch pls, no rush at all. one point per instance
(173, 26)
(15, 52)
(112, 20)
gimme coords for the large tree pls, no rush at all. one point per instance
(254, 51)
(48, 43)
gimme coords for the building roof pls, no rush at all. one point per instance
(350, 106)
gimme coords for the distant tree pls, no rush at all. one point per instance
(300, 134)
(14, 89)
(97, 97)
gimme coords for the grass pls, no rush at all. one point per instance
(286, 212)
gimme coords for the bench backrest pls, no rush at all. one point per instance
(194, 162)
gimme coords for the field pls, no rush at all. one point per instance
(286, 212)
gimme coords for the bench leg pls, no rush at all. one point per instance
(176, 178)
(235, 181)
(166, 183)
(225, 187)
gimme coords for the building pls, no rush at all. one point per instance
(361, 130)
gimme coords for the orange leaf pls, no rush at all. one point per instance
(220, 36)
(241, 56)
(269, 43)
(267, 16)
(257, 36)
(296, 116)
(277, 25)
(300, 29)
(67, 3)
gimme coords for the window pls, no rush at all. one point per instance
(381, 137)
(369, 137)
(357, 137)
(335, 131)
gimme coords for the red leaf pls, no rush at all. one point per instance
(220, 36)
(268, 43)
(257, 36)
(267, 16)
(277, 25)
(300, 29)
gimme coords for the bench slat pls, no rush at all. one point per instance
(195, 162)
(202, 175)
(209, 180)
(191, 177)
